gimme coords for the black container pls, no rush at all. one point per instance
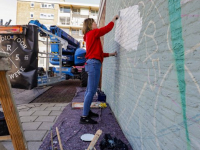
(101, 96)
(23, 56)
(3, 125)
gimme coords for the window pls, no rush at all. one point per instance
(76, 11)
(65, 20)
(31, 15)
(80, 32)
(75, 21)
(32, 4)
(66, 30)
(81, 20)
(75, 32)
(84, 11)
(94, 12)
(46, 16)
(45, 5)
(65, 9)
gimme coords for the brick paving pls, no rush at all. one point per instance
(36, 122)
(38, 117)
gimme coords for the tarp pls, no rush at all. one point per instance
(23, 50)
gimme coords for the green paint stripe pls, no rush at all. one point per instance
(178, 49)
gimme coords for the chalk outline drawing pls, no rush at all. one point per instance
(165, 75)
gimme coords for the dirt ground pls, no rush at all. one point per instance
(62, 92)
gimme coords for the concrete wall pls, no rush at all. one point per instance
(101, 24)
(153, 85)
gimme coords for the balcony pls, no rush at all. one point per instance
(65, 10)
(77, 21)
(93, 16)
(64, 14)
(64, 21)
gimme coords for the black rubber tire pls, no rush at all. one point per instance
(84, 78)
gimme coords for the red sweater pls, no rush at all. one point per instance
(93, 43)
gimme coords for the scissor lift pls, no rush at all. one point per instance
(65, 52)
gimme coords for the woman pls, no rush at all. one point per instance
(94, 56)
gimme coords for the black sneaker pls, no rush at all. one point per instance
(87, 120)
(92, 115)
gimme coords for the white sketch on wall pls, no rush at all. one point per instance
(129, 26)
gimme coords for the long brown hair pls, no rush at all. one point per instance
(87, 25)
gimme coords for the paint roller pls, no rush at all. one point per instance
(117, 19)
(118, 15)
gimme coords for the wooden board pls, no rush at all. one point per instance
(79, 105)
(11, 113)
(5, 137)
(94, 140)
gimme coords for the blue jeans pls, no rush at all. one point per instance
(93, 68)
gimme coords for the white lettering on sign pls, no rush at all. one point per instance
(8, 47)
(17, 39)
(17, 57)
(22, 69)
(21, 42)
(5, 38)
(128, 28)
(17, 73)
(26, 57)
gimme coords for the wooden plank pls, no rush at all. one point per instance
(11, 113)
(5, 137)
(94, 140)
(59, 139)
(79, 105)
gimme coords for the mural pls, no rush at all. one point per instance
(153, 83)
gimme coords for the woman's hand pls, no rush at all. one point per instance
(113, 54)
(115, 18)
